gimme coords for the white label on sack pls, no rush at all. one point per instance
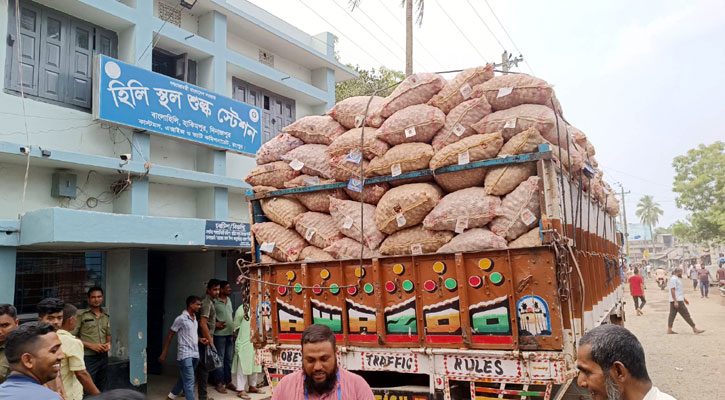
(267, 247)
(458, 130)
(354, 156)
(416, 248)
(395, 169)
(296, 164)
(410, 132)
(400, 219)
(358, 121)
(528, 217)
(309, 234)
(355, 184)
(347, 223)
(461, 224)
(510, 123)
(465, 90)
(311, 181)
(464, 158)
(504, 91)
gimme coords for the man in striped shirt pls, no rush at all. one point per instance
(187, 353)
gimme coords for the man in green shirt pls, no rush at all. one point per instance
(94, 330)
(224, 337)
(207, 326)
(8, 322)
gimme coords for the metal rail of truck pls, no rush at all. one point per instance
(479, 325)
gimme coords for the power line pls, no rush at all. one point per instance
(486, 25)
(461, 31)
(155, 39)
(509, 36)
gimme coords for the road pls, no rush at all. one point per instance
(685, 365)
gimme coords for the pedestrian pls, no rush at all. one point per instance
(244, 368)
(34, 353)
(94, 330)
(678, 303)
(721, 260)
(611, 366)
(704, 276)
(50, 310)
(321, 377)
(8, 322)
(693, 276)
(224, 337)
(207, 325)
(649, 271)
(720, 278)
(187, 354)
(636, 287)
(76, 378)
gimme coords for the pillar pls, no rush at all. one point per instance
(7, 275)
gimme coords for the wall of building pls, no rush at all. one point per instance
(251, 50)
(117, 299)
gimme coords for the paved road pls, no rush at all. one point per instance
(685, 365)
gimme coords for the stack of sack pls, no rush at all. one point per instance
(426, 122)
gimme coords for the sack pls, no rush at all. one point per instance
(350, 140)
(320, 200)
(315, 129)
(342, 170)
(307, 180)
(506, 91)
(520, 118)
(273, 174)
(463, 209)
(415, 240)
(529, 239)
(286, 243)
(346, 214)
(416, 123)
(351, 111)
(477, 147)
(265, 259)
(212, 361)
(406, 206)
(274, 148)
(311, 159)
(317, 228)
(520, 210)
(371, 194)
(415, 89)
(263, 189)
(503, 179)
(349, 248)
(459, 89)
(282, 210)
(401, 158)
(581, 139)
(476, 239)
(459, 121)
(312, 253)
(572, 156)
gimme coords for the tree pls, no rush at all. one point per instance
(700, 185)
(368, 82)
(649, 213)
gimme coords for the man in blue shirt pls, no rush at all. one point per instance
(34, 353)
(187, 353)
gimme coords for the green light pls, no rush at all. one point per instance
(450, 284)
(298, 288)
(496, 278)
(368, 288)
(407, 285)
(334, 288)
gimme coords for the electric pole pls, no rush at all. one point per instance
(507, 61)
(624, 217)
(408, 37)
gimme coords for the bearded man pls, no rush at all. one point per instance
(321, 378)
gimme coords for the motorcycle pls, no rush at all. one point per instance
(661, 282)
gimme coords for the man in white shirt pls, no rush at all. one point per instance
(612, 366)
(678, 303)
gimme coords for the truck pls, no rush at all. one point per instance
(490, 324)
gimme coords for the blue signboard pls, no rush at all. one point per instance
(227, 234)
(142, 99)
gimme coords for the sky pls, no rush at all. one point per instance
(641, 78)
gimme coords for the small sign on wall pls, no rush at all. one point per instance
(227, 234)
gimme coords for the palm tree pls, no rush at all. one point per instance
(420, 4)
(649, 213)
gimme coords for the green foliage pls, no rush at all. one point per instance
(660, 230)
(368, 82)
(700, 185)
(648, 211)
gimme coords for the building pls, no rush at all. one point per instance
(87, 202)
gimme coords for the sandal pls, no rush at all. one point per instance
(253, 389)
(221, 389)
(243, 395)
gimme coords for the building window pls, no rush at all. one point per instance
(55, 54)
(66, 275)
(277, 111)
(177, 66)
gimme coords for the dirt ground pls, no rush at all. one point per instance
(685, 365)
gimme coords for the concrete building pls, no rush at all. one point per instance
(84, 202)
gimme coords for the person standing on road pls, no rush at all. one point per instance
(244, 368)
(73, 372)
(636, 287)
(8, 322)
(693, 276)
(704, 276)
(224, 337)
(187, 353)
(207, 325)
(94, 330)
(720, 279)
(678, 303)
(612, 366)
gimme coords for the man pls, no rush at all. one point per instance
(611, 366)
(50, 311)
(244, 368)
(720, 278)
(721, 260)
(320, 377)
(73, 372)
(8, 322)
(223, 337)
(704, 276)
(636, 287)
(693, 276)
(33, 350)
(678, 303)
(207, 325)
(187, 353)
(94, 330)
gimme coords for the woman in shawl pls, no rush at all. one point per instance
(244, 368)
